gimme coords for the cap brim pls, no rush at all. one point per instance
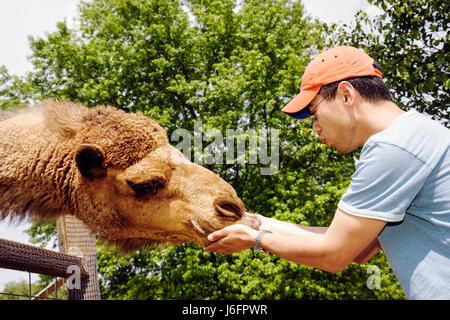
(296, 108)
(302, 114)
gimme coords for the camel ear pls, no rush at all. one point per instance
(90, 160)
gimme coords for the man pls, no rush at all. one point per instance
(399, 197)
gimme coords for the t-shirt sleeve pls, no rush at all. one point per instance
(386, 181)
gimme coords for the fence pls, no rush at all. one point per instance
(76, 264)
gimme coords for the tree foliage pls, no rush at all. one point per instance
(411, 42)
(14, 91)
(232, 65)
(21, 290)
(18, 290)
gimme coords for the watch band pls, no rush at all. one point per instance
(258, 240)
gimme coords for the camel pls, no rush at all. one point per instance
(115, 171)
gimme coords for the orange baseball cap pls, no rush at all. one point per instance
(335, 64)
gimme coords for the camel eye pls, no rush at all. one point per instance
(147, 188)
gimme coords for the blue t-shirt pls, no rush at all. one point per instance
(403, 177)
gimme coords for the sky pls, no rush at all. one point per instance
(22, 18)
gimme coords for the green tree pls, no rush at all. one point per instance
(14, 91)
(411, 42)
(19, 290)
(232, 67)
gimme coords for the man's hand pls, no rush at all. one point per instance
(234, 238)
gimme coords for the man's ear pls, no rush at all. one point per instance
(90, 160)
(347, 92)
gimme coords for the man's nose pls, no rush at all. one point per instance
(316, 126)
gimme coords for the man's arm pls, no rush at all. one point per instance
(282, 227)
(346, 238)
(367, 254)
(286, 228)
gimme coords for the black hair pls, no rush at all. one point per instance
(371, 88)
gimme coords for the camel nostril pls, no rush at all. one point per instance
(228, 208)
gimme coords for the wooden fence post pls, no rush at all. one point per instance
(75, 238)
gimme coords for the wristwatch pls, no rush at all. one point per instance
(258, 240)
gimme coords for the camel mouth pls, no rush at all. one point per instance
(228, 208)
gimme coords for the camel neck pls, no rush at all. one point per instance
(36, 169)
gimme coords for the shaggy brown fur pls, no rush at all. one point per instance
(116, 171)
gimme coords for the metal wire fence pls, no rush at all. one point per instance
(56, 288)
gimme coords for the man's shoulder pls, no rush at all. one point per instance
(412, 126)
(416, 134)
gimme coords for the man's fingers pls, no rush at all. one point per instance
(232, 229)
(216, 245)
(212, 236)
(212, 247)
(219, 234)
(228, 239)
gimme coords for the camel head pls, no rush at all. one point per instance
(161, 198)
(114, 170)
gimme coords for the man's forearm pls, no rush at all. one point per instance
(309, 249)
(286, 228)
